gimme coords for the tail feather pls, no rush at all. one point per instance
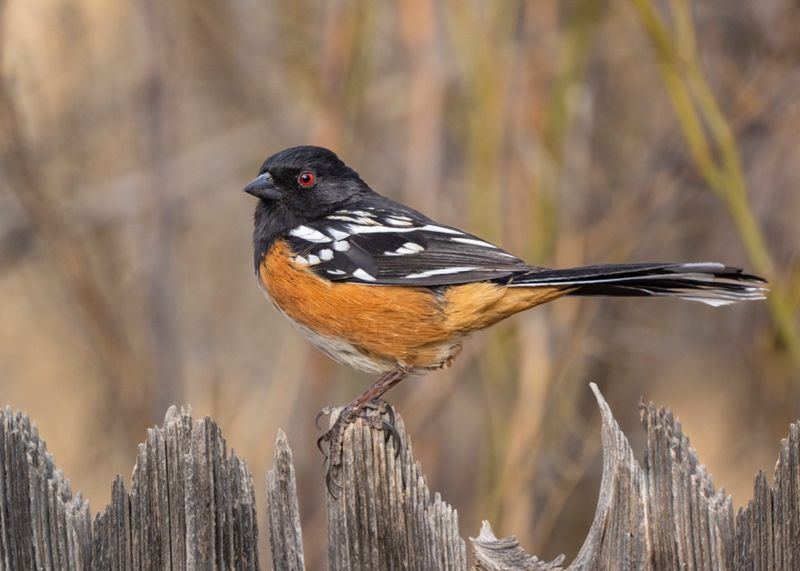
(707, 282)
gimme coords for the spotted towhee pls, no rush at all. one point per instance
(383, 288)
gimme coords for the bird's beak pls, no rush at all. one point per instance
(263, 187)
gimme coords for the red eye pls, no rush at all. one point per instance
(306, 179)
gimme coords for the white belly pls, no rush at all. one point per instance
(344, 352)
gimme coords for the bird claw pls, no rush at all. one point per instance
(394, 434)
(331, 481)
(388, 426)
(334, 437)
(382, 407)
(325, 411)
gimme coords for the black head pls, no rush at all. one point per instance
(297, 185)
(306, 181)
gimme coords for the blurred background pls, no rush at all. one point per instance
(570, 132)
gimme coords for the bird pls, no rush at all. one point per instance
(381, 287)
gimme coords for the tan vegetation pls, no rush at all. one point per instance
(570, 132)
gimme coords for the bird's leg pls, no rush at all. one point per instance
(369, 400)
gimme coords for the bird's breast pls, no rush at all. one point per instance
(386, 325)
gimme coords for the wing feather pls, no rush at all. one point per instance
(397, 246)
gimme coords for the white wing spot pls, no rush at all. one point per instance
(335, 272)
(313, 260)
(325, 254)
(442, 229)
(356, 212)
(367, 221)
(397, 221)
(362, 275)
(407, 248)
(441, 272)
(356, 229)
(474, 242)
(341, 246)
(300, 260)
(337, 234)
(309, 234)
(399, 252)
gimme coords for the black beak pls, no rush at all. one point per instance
(263, 187)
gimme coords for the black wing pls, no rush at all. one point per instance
(397, 246)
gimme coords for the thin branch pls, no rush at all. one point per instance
(713, 149)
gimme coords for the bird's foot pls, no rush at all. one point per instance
(377, 414)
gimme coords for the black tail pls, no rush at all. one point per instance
(707, 282)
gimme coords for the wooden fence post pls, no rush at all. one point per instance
(283, 514)
(191, 506)
(42, 526)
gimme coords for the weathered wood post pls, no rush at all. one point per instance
(663, 515)
(283, 514)
(191, 506)
(42, 525)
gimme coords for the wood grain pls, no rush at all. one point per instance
(283, 513)
(42, 525)
(191, 506)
